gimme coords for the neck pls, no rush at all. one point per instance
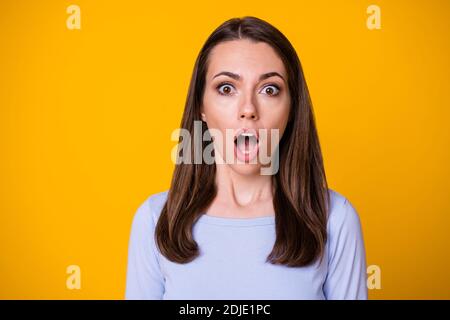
(242, 190)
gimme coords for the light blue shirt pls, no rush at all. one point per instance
(232, 260)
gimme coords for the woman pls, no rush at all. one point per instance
(225, 230)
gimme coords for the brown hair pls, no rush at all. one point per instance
(300, 196)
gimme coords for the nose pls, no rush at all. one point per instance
(248, 110)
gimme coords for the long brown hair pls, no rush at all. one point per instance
(300, 198)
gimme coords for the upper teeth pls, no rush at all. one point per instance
(246, 134)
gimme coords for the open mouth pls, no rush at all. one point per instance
(246, 145)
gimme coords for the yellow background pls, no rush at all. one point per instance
(86, 117)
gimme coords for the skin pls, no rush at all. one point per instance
(249, 102)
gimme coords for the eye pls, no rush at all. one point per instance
(271, 90)
(225, 89)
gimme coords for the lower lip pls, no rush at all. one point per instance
(246, 157)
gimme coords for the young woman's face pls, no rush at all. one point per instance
(246, 88)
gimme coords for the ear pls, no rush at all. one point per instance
(202, 113)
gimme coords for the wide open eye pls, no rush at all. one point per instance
(225, 89)
(271, 90)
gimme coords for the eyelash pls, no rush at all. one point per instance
(268, 85)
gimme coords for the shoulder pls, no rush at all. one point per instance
(149, 210)
(342, 214)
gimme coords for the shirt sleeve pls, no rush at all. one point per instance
(145, 280)
(346, 276)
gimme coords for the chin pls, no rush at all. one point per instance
(246, 169)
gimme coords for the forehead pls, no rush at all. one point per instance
(244, 57)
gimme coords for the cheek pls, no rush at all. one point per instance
(275, 113)
(220, 111)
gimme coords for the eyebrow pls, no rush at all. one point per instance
(235, 76)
